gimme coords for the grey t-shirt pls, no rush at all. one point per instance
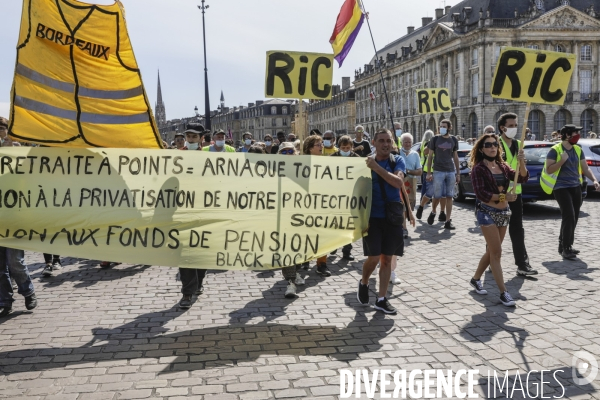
(444, 153)
(569, 172)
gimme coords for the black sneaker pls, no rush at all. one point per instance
(568, 254)
(507, 300)
(574, 251)
(448, 225)
(419, 212)
(56, 265)
(363, 293)
(442, 217)
(48, 270)
(306, 265)
(333, 252)
(105, 264)
(323, 270)
(526, 270)
(478, 286)
(185, 302)
(560, 248)
(348, 256)
(31, 302)
(385, 306)
(431, 219)
(4, 311)
(200, 290)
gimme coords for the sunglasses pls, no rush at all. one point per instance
(489, 145)
(287, 151)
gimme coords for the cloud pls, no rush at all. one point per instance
(4, 109)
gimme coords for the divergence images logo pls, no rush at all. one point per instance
(584, 363)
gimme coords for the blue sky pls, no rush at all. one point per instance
(167, 35)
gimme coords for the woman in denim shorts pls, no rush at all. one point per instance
(491, 177)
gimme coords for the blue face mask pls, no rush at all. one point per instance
(443, 131)
(327, 143)
(398, 132)
(345, 153)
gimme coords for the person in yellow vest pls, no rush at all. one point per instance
(329, 143)
(219, 146)
(507, 129)
(562, 176)
(426, 187)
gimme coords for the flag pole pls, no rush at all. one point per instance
(387, 100)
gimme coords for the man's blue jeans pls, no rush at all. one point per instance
(12, 264)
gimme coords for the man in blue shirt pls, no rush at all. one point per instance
(413, 170)
(384, 240)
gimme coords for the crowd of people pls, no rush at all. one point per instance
(497, 171)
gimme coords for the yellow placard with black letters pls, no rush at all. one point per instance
(298, 75)
(434, 100)
(532, 76)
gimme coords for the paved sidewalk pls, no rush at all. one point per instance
(117, 334)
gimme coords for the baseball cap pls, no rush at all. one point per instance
(565, 130)
(194, 128)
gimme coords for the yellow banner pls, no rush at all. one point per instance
(296, 75)
(532, 76)
(77, 82)
(190, 209)
(433, 101)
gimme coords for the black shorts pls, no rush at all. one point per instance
(383, 238)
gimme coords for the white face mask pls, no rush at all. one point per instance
(398, 132)
(248, 142)
(219, 143)
(327, 143)
(267, 143)
(193, 146)
(510, 132)
(443, 131)
(345, 153)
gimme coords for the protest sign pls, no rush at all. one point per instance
(532, 76)
(77, 82)
(188, 209)
(434, 100)
(299, 75)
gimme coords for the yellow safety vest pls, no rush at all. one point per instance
(77, 83)
(424, 159)
(513, 162)
(547, 181)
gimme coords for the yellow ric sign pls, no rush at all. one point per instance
(434, 100)
(299, 75)
(77, 83)
(532, 76)
(192, 209)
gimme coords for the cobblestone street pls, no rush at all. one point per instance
(118, 334)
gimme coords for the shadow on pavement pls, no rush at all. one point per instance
(198, 349)
(572, 269)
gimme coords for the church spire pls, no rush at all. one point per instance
(222, 101)
(159, 109)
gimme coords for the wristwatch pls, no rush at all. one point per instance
(501, 197)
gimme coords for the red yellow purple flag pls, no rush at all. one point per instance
(347, 26)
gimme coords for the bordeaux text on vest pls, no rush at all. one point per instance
(94, 50)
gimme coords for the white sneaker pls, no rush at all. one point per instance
(290, 293)
(299, 280)
(394, 279)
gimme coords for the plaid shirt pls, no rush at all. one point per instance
(484, 184)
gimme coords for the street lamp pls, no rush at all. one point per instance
(206, 98)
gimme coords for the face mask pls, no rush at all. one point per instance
(193, 146)
(327, 143)
(248, 142)
(398, 132)
(267, 143)
(575, 138)
(511, 132)
(443, 131)
(219, 143)
(488, 157)
(345, 153)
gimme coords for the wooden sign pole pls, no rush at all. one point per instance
(524, 132)
(300, 128)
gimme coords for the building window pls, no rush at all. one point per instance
(284, 110)
(585, 82)
(457, 58)
(273, 110)
(534, 123)
(475, 85)
(474, 125)
(475, 56)
(285, 122)
(534, 47)
(559, 48)
(416, 76)
(560, 119)
(586, 122)
(586, 52)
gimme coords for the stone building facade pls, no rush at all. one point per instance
(459, 50)
(337, 114)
